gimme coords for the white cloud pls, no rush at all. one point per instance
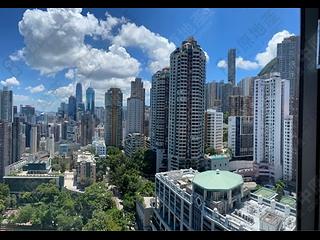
(271, 50)
(10, 82)
(245, 64)
(63, 92)
(222, 64)
(207, 56)
(155, 46)
(70, 74)
(36, 89)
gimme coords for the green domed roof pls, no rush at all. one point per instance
(217, 180)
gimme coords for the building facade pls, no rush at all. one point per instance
(6, 105)
(240, 105)
(136, 108)
(159, 117)
(232, 66)
(271, 107)
(214, 130)
(113, 119)
(90, 100)
(134, 142)
(186, 106)
(287, 148)
(240, 137)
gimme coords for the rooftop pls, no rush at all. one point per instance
(218, 180)
(288, 201)
(265, 192)
(219, 156)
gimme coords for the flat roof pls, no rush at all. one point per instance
(219, 156)
(217, 180)
(265, 192)
(288, 201)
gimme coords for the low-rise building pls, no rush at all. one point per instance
(100, 147)
(144, 212)
(215, 200)
(85, 169)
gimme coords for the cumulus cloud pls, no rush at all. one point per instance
(36, 89)
(271, 50)
(222, 64)
(156, 47)
(10, 82)
(246, 64)
(55, 41)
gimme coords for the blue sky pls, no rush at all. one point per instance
(43, 58)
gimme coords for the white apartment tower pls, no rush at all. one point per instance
(271, 107)
(214, 129)
(186, 106)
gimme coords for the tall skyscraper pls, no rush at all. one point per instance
(6, 104)
(5, 146)
(87, 128)
(90, 99)
(15, 111)
(226, 92)
(232, 66)
(34, 139)
(240, 137)
(100, 114)
(79, 93)
(159, 99)
(271, 107)
(186, 106)
(136, 107)
(72, 108)
(212, 97)
(16, 139)
(214, 129)
(288, 56)
(113, 124)
(28, 113)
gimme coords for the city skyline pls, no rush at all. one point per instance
(46, 83)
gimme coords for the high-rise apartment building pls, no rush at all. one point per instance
(246, 86)
(100, 114)
(6, 104)
(214, 129)
(232, 66)
(240, 105)
(136, 107)
(33, 139)
(72, 108)
(113, 124)
(240, 137)
(287, 151)
(288, 56)
(90, 100)
(186, 106)
(28, 113)
(87, 129)
(159, 98)
(5, 146)
(16, 139)
(213, 95)
(271, 107)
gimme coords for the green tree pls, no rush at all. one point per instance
(95, 197)
(210, 151)
(66, 222)
(25, 214)
(104, 221)
(279, 187)
(46, 192)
